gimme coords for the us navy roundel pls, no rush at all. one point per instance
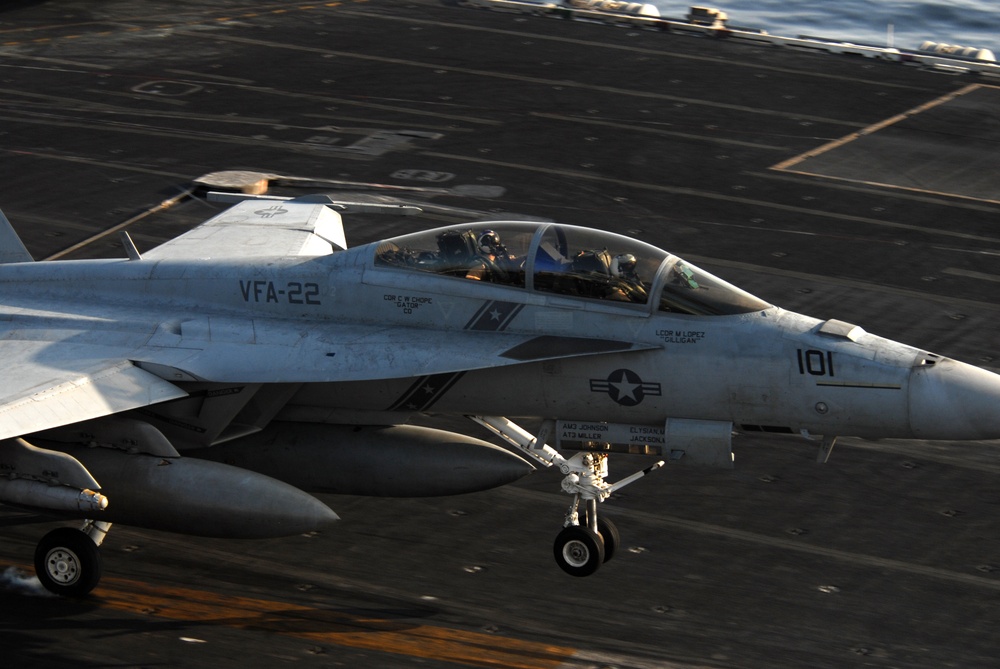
(625, 387)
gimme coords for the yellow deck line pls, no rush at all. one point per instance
(875, 127)
(329, 626)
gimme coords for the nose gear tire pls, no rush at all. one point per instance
(579, 551)
(609, 532)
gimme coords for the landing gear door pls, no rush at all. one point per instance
(700, 442)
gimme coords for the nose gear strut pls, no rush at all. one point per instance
(580, 548)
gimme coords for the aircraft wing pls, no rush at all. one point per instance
(260, 228)
(46, 386)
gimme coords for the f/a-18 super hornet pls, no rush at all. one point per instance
(209, 385)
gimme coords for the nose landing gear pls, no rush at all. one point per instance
(580, 548)
(579, 551)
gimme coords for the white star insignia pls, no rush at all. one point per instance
(625, 389)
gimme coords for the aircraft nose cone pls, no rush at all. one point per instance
(953, 400)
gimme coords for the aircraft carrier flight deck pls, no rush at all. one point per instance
(857, 186)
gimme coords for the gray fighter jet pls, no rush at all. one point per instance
(209, 385)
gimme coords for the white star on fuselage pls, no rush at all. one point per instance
(625, 388)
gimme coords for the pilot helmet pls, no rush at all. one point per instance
(489, 242)
(623, 263)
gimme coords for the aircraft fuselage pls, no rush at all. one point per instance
(770, 370)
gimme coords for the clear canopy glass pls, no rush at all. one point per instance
(567, 260)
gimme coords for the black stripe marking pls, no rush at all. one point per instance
(494, 316)
(425, 391)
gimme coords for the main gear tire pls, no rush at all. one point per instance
(68, 562)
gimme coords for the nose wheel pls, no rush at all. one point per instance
(587, 540)
(579, 551)
(609, 533)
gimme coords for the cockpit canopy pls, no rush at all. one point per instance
(567, 260)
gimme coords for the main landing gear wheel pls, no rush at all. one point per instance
(579, 551)
(68, 562)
